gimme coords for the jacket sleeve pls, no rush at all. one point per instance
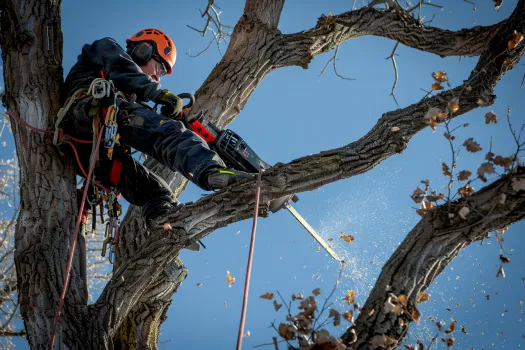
(118, 66)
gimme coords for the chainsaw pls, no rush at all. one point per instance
(238, 155)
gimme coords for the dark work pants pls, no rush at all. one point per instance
(166, 140)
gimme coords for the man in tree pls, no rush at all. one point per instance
(150, 55)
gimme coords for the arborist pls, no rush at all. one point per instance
(135, 73)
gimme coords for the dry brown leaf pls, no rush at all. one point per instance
(276, 305)
(450, 342)
(199, 284)
(268, 296)
(350, 297)
(466, 191)
(423, 297)
(464, 175)
(454, 104)
(437, 86)
(309, 306)
(433, 117)
(451, 327)
(440, 76)
(336, 315)
(415, 315)
(449, 136)
(229, 279)
(417, 195)
(347, 238)
(349, 316)
(402, 299)
(471, 145)
(485, 168)
(297, 296)
(316, 291)
(491, 117)
(445, 169)
(505, 162)
(463, 330)
(489, 156)
(515, 40)
(504, 259)
(286, 331)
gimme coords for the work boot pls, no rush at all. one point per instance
(155, 217)
(154, 212)
(219, 178)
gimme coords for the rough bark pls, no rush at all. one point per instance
(134, 303)
(427, 250)
(31, 42)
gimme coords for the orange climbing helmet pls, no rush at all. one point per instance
(152, 43)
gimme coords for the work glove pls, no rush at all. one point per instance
(219, 178)
(171, 104)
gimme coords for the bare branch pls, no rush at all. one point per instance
(221, 31)
(392, 57)
(333, 59)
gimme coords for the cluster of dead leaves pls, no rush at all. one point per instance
(299, 327)
(398, 305)
(426, 197)
(434, 116)
(439, 78)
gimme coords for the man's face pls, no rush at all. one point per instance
(154, 69)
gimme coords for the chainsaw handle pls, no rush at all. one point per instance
(183, 116)
(188, 96)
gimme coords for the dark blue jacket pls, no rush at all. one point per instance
(108, 56)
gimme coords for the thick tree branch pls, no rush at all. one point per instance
(431, 245)
(396, 24)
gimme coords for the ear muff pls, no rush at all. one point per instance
(142, 53)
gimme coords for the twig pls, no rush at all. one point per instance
(288, 307)
(287, 342)
(220, 32)
(274, 343)
(419, 6)
(12, 334)
(392, 57)
(333, 59)
(329, 296)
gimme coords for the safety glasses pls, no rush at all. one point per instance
(161, 69)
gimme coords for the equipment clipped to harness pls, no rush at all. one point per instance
(112, 225)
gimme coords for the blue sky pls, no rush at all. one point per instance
(293, 113)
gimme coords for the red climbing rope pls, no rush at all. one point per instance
(250, 258)
(75, 237)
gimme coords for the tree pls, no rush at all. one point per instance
(145, 278)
